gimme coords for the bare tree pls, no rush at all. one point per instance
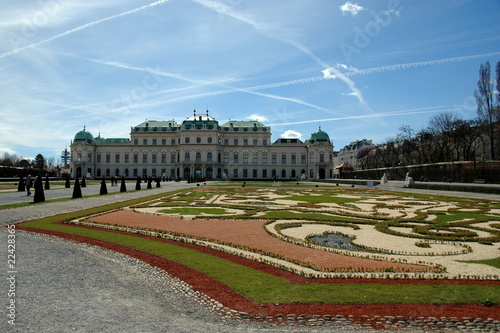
(487, 111)
(442, 126)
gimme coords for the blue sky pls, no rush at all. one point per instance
(359, 69)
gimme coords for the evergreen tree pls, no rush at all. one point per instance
(39, 194)
(123, 187)
(67, 185)
(47, 184)
(21, 186)
(138, 184)
(39, 162)
(84, 184)
(77, 190)
(104, 189)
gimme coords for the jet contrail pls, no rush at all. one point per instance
(228, 11)
(430, 109)
(82, 27)
(417, 64)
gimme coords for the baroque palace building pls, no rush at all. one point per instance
(200, 147)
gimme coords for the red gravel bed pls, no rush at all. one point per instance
(235, 301)
(251, 234)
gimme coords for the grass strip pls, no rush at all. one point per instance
(492, 262)
(266, 288)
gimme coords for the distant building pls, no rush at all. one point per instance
(349, 154)
(200, 147)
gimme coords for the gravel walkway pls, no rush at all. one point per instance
(62, 286)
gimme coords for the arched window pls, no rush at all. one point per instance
(186, 157)
(283, 173)
(198, 140)
(198, 157)
(117, 172)
(209, 157)
(186, 140)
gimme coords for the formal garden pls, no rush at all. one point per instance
(270, 247)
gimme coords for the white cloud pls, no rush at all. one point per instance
(258, 117)
(291, 134)
(346, 67)
(350, 8)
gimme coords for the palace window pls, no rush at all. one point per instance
(235, 158)
(117, 158)
(108, 158)
(154, 142)
(294, 159)
(245, 158)
(136, 158)
(198, 157)
(209, 157)
(186, 157)
(283, 159)
(154, 158)
(144, 158)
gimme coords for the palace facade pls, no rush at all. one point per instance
(200, 147)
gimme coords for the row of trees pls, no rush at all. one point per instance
(447, 137)
(39, 162)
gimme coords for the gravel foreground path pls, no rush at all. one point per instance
(63, 286)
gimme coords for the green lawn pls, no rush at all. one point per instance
(195, 211)
(322, 199)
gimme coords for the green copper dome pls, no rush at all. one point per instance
(319, 136)
(84, 136)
